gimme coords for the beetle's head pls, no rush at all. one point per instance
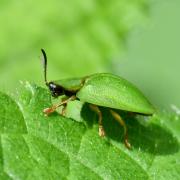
(55, 89)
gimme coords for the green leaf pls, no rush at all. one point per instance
(33, 146)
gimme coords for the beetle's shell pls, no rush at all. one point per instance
(112, 91)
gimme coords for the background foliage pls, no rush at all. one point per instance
(137, 39)
(80, 37)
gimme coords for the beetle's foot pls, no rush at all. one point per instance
(101, 131)
(127, 144)
(63, 112)
(48, 111)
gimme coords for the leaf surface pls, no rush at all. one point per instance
(33, 146)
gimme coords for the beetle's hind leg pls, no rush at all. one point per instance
(121, 121)
(63, 103)
(97, 111)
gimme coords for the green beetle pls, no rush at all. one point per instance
(101, 89)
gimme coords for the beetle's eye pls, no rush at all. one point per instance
(55, 89)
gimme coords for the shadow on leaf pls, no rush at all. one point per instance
(148, 137)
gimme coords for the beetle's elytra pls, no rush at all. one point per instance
(102, 89)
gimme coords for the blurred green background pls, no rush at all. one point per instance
(137, 39)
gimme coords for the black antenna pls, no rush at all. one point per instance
(44, 58)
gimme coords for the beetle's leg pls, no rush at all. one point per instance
(63, 112)
(50, 110)
(97, 110)
(121, 121)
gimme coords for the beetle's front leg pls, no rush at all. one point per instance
(50, 110)
(97, 110)
(121, 121)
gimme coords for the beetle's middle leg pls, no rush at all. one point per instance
(63, 112)
(64, 106)
(97, 110)
(63, 103)
(121, 121)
